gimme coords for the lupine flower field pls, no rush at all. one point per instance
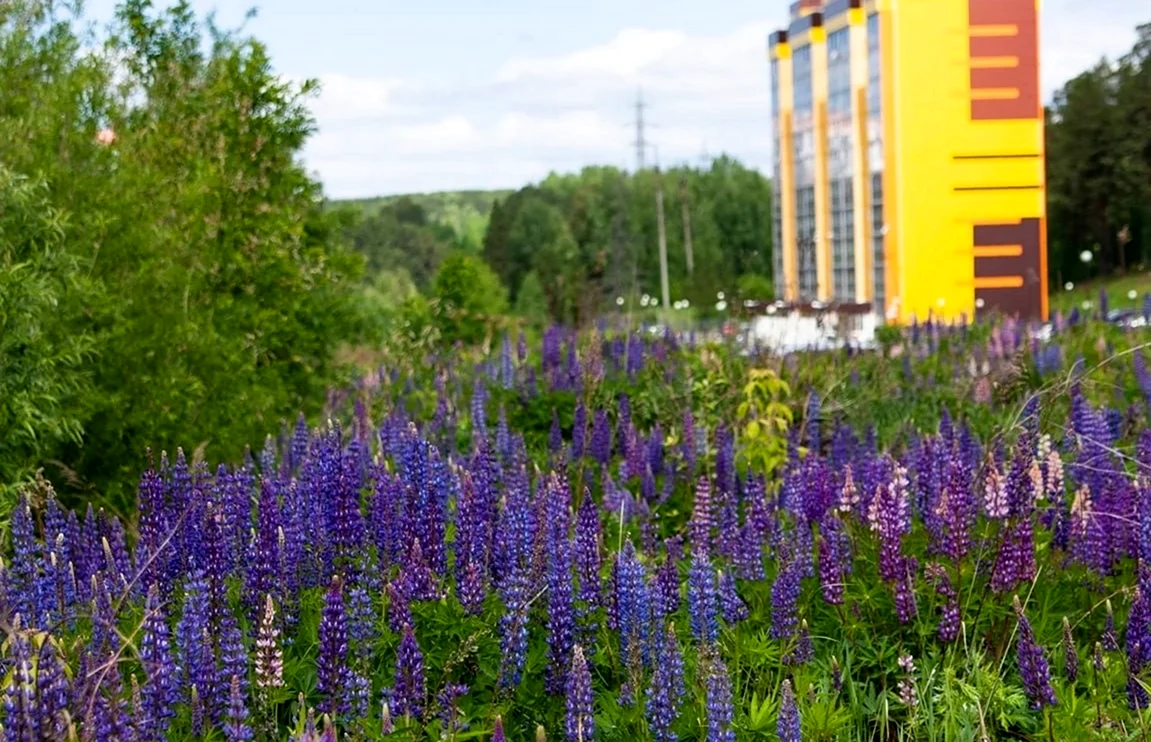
(623, 536)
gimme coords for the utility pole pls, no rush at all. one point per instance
(686, 224)
(640, 140)
(665, 290)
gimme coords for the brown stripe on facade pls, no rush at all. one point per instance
(1023, 45)
(1026, 300)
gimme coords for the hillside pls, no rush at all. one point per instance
(465, 212)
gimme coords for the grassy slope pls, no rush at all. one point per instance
(1118, 289)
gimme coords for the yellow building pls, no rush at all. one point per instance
(909, 162)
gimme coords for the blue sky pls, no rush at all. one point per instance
(426, 95)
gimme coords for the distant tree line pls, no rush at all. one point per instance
(568, 248)
(1099, 167)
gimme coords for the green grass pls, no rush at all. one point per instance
(1118, 288)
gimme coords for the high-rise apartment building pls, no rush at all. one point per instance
(909, 160)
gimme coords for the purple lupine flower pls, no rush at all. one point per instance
(834, 559)
(416, 577)
(905, 604)
(811, 419)
(197, 655)
(787, 725)
(906, 685)
(447, 699)
(409, 689)
(269, 652)
(949, 609)
(347, 531)
(233, 655)
(512, 547)
(720, 713)
(503, 436)
(1015, 562)
(890, 515)
(666, 691)
(22, 717)
(52, 693)
(513, 627)
(731, 605)
(1070, 653)
(498, 731)
(635, 454)
(665, 588)
(579, 431)
(236, 728)
(580, 711)
(802, 651)
(362, 619)
(588, 561)
(331, 664)
(785, 598)
(600, 446)
(265, 564)
(160, 694)
(561, 617)
(1108, 639)
(1138, 642)
(479, 414)
(703, 599)
(632, 600)
(957, 504)
(507, 370)
(699, 528)
(1033, 664)
(22, 571)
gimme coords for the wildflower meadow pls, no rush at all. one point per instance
(625, 535)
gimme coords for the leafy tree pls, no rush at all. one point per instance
(399, 236)
(532, 304)
(469, 295)
(42, 378)
(539, 230)
(218, 292)
(1099, 166)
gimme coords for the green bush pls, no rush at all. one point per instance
(470, 295)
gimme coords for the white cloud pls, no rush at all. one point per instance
(385, 135)
(344, 98)
(625, 55)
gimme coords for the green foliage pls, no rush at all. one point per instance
(470, 297)
(42, 377)
(214, 273)
(763, 418)
(755, 287)
(531, 302)
(399, 236)
(539, 229)
(596, 231)
(464, 213)
(1099, 167)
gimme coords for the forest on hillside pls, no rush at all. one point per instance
(570, 247)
